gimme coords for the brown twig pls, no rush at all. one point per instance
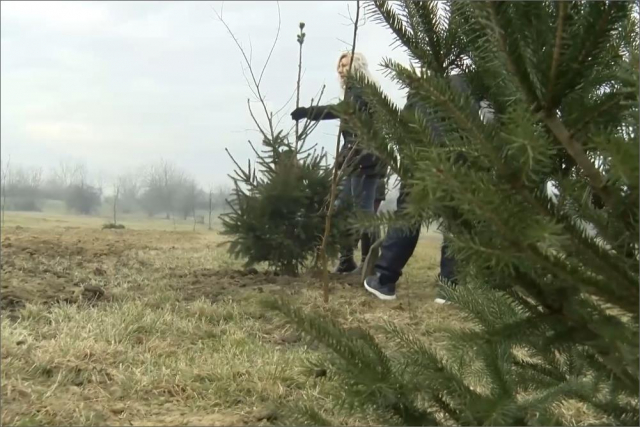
(256, 80)
(300, 43)
(562, 9)
(334, 181)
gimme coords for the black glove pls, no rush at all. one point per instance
(299, 113)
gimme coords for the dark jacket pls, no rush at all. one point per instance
(458, 83)
(362, 161)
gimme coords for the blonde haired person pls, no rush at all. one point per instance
(364, 168)
(360, 64)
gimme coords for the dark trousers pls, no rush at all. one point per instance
(360, 189)
(398, 246)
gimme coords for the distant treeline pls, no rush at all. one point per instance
(161, 188)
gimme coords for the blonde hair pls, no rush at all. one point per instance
(359, 64)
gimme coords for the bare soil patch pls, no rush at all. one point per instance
(211, 283)
(47, 266)
(69, 265)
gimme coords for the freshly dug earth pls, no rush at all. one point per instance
(64, 265)
(60, 265)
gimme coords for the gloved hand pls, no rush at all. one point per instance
(299, 113)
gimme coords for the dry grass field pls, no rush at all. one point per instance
(156, 325)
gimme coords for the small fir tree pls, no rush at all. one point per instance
(541, 205)
(277, 210)
(278, 206)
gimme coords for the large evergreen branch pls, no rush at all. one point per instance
(554, 124)
(467, 125)
(362, 357)
(425, 14)
(570, 274)
(384, 12)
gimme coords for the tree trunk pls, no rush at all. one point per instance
(4, 204)
(115, 206)
(210, 207)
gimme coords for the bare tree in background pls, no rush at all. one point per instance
(116, 195)
(161, 181)
(193, 193)
(23, 187)
(60, 179)
(5, 177)
(64, 173)
(99, 182)
(210, 205)
(217, 201)
(170, 176)
(129, 184)
(69, 173)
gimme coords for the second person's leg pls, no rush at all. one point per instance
(396, 250)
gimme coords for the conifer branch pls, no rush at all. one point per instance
(577, 152)
(554, 124)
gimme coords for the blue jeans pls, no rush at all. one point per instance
(398, 247)
(361, 190)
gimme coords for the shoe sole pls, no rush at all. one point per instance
(378, 294)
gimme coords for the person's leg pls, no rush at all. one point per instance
(366, 195)
(346, 263)
(396, 250)
(381, 194)
(447, 270)
(447, 263)
(344, 193)
(398, 246)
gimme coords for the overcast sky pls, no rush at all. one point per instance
(119, 84)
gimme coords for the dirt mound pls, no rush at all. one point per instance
(16, 295)
(48, 266)
(57, 265)
(213, 284)
(67, 243)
